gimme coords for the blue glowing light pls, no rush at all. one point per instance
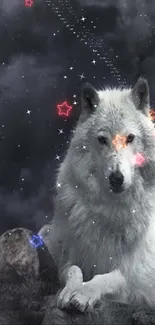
(36, 241)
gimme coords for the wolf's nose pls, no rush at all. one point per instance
(116, 180)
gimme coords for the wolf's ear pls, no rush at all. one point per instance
(141, 95)
(89, 98)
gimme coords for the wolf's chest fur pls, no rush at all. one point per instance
(100, 239)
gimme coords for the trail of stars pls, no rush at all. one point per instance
(66, 13)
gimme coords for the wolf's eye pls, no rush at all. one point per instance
(130, 138)
(102, 139)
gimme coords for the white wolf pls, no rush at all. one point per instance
(103, 233)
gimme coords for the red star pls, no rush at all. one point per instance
(29, 3)
(64, 109)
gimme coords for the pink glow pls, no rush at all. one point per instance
(138, 159)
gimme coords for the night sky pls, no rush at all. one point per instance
(48, 48)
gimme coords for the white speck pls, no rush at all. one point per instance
(82, 76)
(61, 131)
(57, 157)
(83, 18)
(58, 184)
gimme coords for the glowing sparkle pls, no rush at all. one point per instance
(36, 241)
(138, 160)
(64, 109)
(57, 157)
(61, 131)
(119, 142)
(58, 184)
(83, 18)
(28, 3)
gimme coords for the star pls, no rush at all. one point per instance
(75, 103)
(61, 131)
(71, 68)
(82, 76)
(83, 18)
(28, 112)
(64, 109)
(58, 184)
(119, 142)
(58, 157)
(94, 62)
(36, 241)
(28, 3)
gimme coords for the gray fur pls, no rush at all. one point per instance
(108, 236)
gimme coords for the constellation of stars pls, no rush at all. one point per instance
(65, 12)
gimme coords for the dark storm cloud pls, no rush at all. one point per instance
(10, 6)
(26, 74)
(131, 31)
(29, 73)
(135, 19)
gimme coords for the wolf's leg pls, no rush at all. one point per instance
(111, 285)
(72, 278)
(107, 312)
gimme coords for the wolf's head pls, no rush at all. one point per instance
(118, 136)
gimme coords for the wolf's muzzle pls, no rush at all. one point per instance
(116, 180)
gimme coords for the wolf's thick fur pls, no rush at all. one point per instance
(103, 231)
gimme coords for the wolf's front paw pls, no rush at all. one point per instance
(85, 297)
(65, 297)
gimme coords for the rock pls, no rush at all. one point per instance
(24, 255)
(27, 275)
(18, 253)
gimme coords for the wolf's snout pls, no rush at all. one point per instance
(116, 180)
